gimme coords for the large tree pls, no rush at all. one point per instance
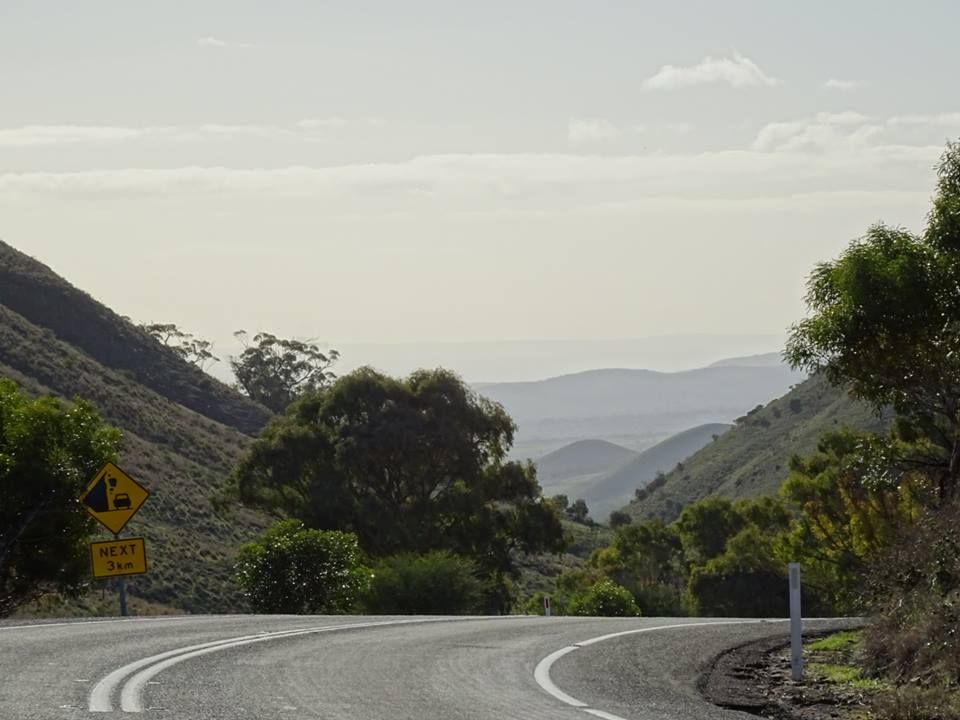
(885, 321)
(276, 371)
(409, 465)
(49, 451)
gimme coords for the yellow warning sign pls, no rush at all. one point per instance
(118, 557)
(113, 497)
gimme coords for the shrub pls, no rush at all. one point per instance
(292, 569)
(913, 633)
(437, 583)
(604, 599)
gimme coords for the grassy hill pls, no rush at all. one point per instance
(44, 299)
(614, 488)
(579, 459)
(752, 458)
(183, 431)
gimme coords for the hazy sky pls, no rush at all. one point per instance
(384, 172)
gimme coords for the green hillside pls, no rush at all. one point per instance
(612, 489)
(32, 290)
(182, 455)
(752, 458)
(578, 459)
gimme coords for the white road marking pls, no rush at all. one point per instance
(144, 670)
(37, 626)
(542, 675)
(542, 672)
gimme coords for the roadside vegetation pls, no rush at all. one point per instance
(48, 452)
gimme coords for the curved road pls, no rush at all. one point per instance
(365, 668)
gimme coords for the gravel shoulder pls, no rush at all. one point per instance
(755, 678)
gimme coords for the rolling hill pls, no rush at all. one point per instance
(183, 430)
(579, 459)
(752, 459)
(616, 487)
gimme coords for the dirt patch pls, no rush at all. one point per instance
(755, 678)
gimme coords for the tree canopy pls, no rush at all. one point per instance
(49, 451)
(885, 321)
(194, 350)
(409, 465)
(275, 372)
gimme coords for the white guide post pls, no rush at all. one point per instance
(796, 624)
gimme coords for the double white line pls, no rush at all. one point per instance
(134, 676)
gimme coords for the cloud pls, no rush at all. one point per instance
(837, 84)
(36, 135)
(946, 119)
(822, 132)
(210, 41)
(738, 71)
(40, 135)
(475, 178)
(591, 130)
(323, 123)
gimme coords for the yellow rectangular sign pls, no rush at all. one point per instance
(119, 557)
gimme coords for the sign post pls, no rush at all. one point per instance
(112, 498)
(796, 625)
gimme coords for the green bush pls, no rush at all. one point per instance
(604, 599)
(292, 569)
(437, 583)
(661, 601)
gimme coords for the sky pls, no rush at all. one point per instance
(419, 182)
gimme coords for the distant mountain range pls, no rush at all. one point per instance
(763, 360)
(636, 408)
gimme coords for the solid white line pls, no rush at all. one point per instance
(542, 675)
(35, 626)
(542, 672)
(131, 695)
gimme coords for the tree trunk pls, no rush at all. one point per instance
(948, 485)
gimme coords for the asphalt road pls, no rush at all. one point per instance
(364, 668)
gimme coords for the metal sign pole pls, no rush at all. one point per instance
(122, 588)
(796, 625)
(123, 597)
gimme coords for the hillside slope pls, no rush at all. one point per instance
(616, 487)
(752, 459)
(182, 456)
(33, 291)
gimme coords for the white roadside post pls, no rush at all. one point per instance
(546, 605)
(796, 624)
